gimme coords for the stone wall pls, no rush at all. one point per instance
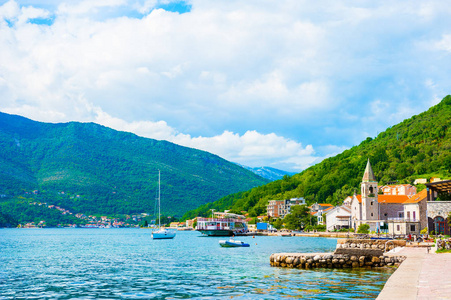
(390, 210)
(329, 260)
(438, 208)
(384, 245)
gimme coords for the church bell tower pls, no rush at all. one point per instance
(370, 205)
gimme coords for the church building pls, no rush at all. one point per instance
(378, 210)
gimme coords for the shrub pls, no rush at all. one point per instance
(363, 228)
(320, 227)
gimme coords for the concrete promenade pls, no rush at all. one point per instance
(421, 276)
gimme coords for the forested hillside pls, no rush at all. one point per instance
(92, 169)
(419, 147)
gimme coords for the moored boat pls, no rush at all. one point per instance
(222, 224)
(232, 243)
(161, 233)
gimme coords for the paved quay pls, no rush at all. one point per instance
(421, 276)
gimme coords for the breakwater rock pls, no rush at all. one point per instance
(333, 260)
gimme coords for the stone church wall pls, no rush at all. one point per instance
(391, 210)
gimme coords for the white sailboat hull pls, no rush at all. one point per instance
(163, 234)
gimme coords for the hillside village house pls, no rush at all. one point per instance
(401, 189)
(280, 208)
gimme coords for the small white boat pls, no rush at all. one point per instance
(161, 233)
(232, 243)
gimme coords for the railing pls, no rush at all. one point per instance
(404, 219)
(219, 220)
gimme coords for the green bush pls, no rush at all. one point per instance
(320, 228)
(363, 228)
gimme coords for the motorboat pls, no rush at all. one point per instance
(232, 243)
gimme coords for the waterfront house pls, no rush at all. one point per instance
(414, 216)
(318, 210)
(338, 217)
(438, 211)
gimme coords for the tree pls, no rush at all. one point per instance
(298, 218)
(144, 223)
(363, 228)
(278, 223)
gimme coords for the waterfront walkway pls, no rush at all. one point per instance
(421, 276)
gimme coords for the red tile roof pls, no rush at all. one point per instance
(388, 199)
(418, 197)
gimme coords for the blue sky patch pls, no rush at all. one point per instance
(180, 6)
(42, 21)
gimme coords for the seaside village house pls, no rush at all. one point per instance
(338, 218)
(281, 208)
(319, 210)
(438, 211)
(397, 209)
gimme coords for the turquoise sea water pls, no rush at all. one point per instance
(128, 264)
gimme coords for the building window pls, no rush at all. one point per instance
(385, 214)
(371, 202)
(412, 228)
(398, 228)
(371, 214)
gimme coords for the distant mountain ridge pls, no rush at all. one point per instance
(418, 147)
(92, 169)
(269, 173)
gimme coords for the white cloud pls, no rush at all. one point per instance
(445, 43)
(146, 7)
(9, 11)
(252, 148)
(231, 77)
(87, 6)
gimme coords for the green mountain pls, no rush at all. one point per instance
(419, 147)
(91, 169)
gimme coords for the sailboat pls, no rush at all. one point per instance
(161, 233)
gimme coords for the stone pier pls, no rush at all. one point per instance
(331, 260)
(349, 254)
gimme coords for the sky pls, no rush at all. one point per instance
(283, 83)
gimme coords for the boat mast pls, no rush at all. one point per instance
(159, 194)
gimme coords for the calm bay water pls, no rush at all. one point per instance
(128, 264)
